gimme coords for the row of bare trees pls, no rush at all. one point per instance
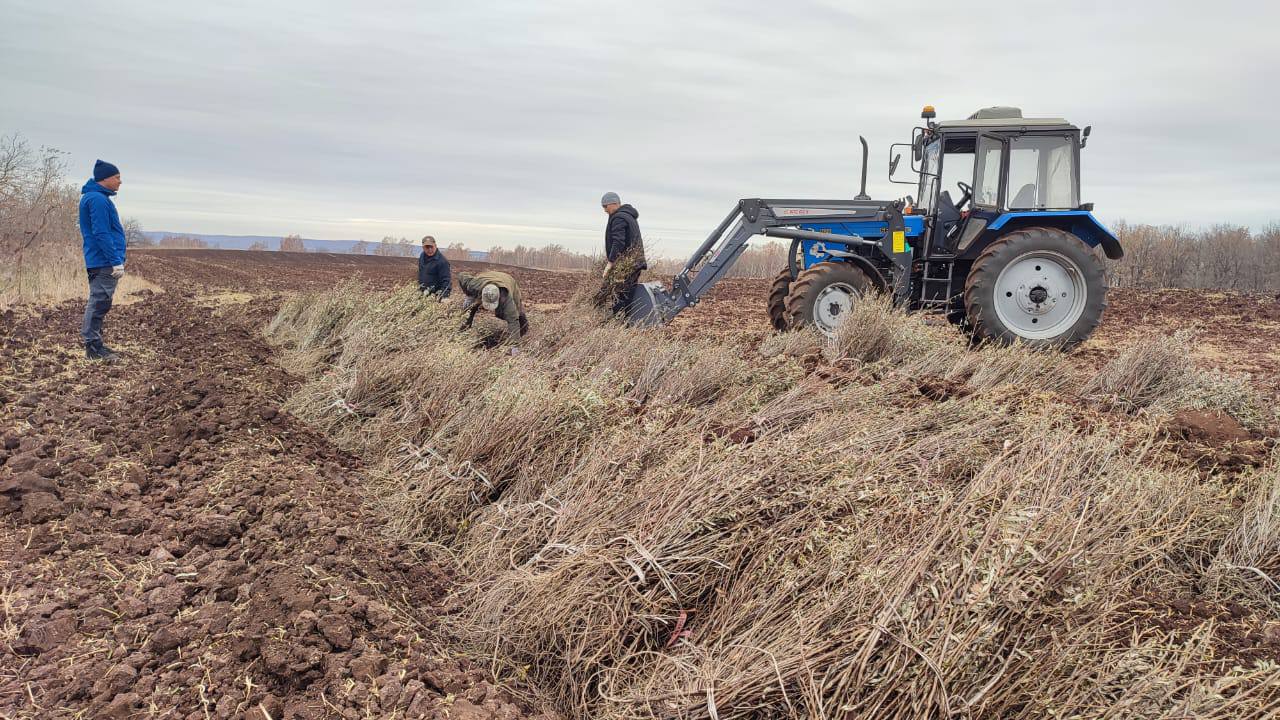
(1225, 257)
(37, 207)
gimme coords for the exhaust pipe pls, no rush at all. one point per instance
(863, 194)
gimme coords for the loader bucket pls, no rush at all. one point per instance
(643, 307)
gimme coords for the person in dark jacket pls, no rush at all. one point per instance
(434, 277)
(104, 254)
(624, 253)
(497, 292)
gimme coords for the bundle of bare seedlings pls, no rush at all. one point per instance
(1156, 374)
(797, 343)
(537, 420)
(311, 325)
(1247, 564)
(912, 568)
(400, 321)
(877, 333)
(650, 527)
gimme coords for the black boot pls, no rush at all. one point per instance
(97, 351)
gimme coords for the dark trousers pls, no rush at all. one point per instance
(622, 292)
(102, 287)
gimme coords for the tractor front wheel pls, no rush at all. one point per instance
(823, 295)
(778, 292)
(1039, 285)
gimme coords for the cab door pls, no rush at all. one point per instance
(990, 163)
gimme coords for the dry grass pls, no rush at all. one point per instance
(58, 275)
(648, 527)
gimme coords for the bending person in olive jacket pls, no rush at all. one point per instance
(496, 291)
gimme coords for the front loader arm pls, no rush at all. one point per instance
(750, 217)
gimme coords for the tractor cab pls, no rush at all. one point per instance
(995, 162)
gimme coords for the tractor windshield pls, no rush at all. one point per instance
(929, 175)
(1042, 173)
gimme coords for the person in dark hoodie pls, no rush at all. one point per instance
(104, 251)
(624, 252)
(433, 270)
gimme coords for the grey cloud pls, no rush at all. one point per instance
(503, 122)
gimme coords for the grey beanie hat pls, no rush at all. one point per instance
(610, 198)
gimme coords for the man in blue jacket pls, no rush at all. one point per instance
(103, 254)
(433, 270)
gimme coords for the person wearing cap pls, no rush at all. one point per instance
(433, 270)
(496, 292)
(104, 251)
(624, 253)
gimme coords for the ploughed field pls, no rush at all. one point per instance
(176, 543)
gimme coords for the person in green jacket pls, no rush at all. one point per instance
(498, 292)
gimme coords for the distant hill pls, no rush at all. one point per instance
(243, 242)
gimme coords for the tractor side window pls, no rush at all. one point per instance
(986, 179)
(1042, 173)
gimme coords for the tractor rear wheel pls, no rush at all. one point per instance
(778, 292)
(1039, 285)
(823, 295)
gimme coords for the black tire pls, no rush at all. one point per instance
(1032, 275)
(778, 292)
(817, 298)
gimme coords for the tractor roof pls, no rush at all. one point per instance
(1003, 117)
(1006, 123)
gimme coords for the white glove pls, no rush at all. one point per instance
(117, 271)
(426, 292)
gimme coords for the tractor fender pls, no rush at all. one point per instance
(872, 271)
(1080, 223)
(877, 277)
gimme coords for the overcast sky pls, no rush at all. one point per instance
(503, 122)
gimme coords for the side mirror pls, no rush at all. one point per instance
(894, 158)
(1084, 136)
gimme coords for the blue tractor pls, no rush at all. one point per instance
(1011, 256)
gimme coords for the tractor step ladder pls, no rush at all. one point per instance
(936, 273)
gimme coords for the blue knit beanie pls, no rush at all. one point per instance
(103, 170)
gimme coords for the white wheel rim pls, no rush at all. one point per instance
(1040, 295)
(832, 306)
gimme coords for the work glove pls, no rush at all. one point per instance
(514, 351)
(607, 268)
(117, 271)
